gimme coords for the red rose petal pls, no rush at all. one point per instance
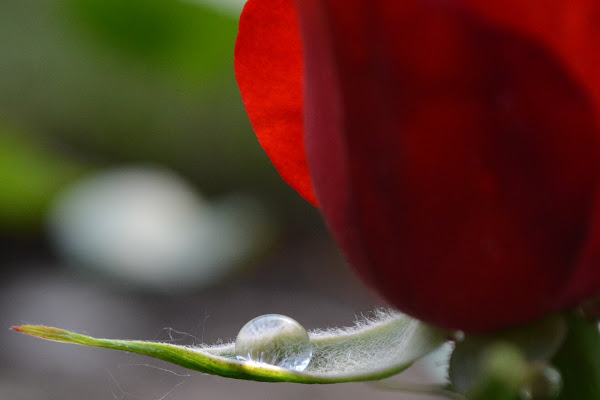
(571, 29)
(268, 65)
(455, 160)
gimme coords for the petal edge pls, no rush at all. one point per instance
(268, 67)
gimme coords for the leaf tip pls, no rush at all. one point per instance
(25, 329)
(44, 332)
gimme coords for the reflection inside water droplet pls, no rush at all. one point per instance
(275, 340)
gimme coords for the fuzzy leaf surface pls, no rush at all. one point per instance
(374, 348)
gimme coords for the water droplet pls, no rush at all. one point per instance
(275, 340)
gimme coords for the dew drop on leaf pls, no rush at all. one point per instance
(275, 340)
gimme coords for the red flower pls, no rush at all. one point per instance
(452, 144)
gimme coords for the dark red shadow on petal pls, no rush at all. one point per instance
(571, 28)
(469, 158)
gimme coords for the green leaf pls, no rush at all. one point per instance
(374, 348)
(579, 360)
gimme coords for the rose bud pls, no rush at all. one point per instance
(451, 146)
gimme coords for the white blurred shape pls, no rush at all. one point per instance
(148, 227)
(231, 7)
(435, 365)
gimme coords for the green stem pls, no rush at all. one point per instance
(578, 360)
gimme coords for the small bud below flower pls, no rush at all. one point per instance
(543, 383)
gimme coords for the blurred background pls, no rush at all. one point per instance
(135, 202)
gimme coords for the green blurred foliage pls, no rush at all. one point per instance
(29, 178)
(136, 81)
(149, 81)
(184, 38)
